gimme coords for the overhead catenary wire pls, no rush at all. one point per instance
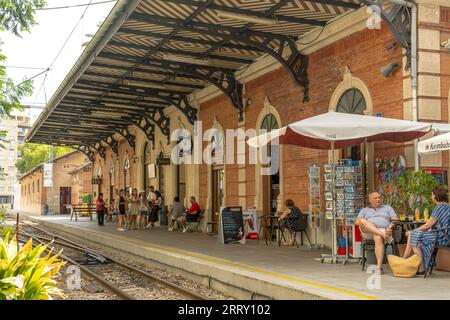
(76, 5)
(62, 48)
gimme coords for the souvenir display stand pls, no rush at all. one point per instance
(314, 198)
(344, 199)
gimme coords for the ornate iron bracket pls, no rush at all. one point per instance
(147, 127)
(398, 18)
(158, 117)
(272, 44)
(131, 139)
(99, 148)
(113, 144)
(87, 151)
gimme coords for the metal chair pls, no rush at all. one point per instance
(436, 247)
(300, 225)
(371, 243)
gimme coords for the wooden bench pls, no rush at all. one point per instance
(83, 210)
(210, 224)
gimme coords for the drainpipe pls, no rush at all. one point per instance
(414, 81)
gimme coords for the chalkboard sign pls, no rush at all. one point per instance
(231, 225)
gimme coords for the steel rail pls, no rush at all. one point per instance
(106, 284)
(145, 274)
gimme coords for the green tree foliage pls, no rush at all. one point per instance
(16, 16)
(35, 154)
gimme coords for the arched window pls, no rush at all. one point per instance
(352, 101)
(271, 183)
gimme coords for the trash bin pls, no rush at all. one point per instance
(163, 219)
(45, 211)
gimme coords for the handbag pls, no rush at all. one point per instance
(405, 268)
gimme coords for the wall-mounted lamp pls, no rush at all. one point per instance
(446, 45)
(392, 45)
(387, 70)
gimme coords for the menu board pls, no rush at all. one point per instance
(231, 225)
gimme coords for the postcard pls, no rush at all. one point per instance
(349, 203)
(328, 168)
(328, 196)
(349, 196)
(349, 183)
(340, 196)
(349, 189)
(328, 187)
(329, 215)
(339, 183)
(349, 169)
(349, 176)
(339, 169)
(328, 177)
(329, 205)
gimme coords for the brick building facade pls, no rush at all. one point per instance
(35, 198)
(345, 56)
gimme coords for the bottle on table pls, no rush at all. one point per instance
(426, 215)
(417, 215)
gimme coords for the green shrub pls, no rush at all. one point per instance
(87, 198)
(4, 229)
(25, 274)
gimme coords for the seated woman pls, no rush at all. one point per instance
(420, 240)
(289, 219)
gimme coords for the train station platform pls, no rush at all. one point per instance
(254, 270)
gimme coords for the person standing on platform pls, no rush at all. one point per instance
(122, 211)
(152, 201)
(143, 210)
(100, 208)
(134, 209)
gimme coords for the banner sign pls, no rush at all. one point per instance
(251, 222)
(48, 174)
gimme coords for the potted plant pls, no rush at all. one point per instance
(413, 190)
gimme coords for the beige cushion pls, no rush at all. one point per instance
(406, 268)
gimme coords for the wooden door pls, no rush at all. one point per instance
(64, 199)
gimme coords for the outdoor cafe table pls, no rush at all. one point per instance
(407, 225)
(269, 222)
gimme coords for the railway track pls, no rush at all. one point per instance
(108, 267)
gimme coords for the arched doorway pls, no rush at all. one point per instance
(126, 175)
(270, 182)
(146, 162)
(185, 142)
(217, 175)
(111, 180)
(353, 101)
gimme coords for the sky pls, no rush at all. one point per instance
(39, 48)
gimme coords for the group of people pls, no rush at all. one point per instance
(140, 211)
(376, 222)
(134, 211)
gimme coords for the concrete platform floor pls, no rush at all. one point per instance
(285, 267)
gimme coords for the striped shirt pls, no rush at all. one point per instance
(442, 215)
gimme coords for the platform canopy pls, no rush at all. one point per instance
(152, 54)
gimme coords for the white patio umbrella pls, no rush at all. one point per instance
(340, 130)
(437, 143)
(336, 130)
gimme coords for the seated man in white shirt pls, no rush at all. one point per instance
(375, 223)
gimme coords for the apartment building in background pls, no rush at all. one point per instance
(15, 128)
